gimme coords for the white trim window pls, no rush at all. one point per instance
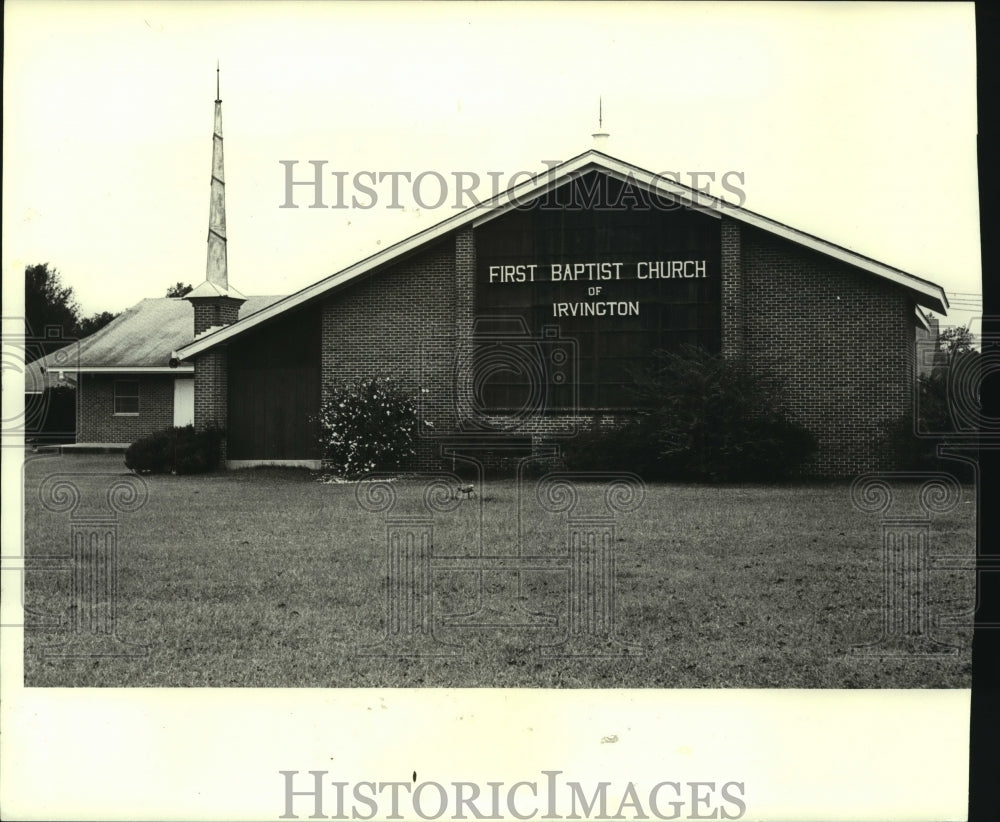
(126, 398)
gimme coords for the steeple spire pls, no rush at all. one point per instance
(216, 284)
(600, 136)
(216, 271)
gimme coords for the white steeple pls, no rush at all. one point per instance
(216, 282)
(600, 136)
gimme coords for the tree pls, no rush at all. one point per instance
(88, 325)
(178, 289)
(955, 340)
(48, 302)
(948, 404)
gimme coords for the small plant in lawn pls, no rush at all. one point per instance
(367, 425)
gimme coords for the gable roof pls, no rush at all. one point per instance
(923, 321)
(924, 292)
(141, 339)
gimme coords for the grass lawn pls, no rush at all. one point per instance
(268, 578)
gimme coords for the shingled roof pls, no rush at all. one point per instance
(142, 338)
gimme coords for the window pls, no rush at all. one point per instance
(638, 301)
(127, 397)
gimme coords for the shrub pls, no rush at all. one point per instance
(149, 454)
(196, 452)
(622, 448)
(176, 451)
(915, 451)
(702, 417)
(367, 425)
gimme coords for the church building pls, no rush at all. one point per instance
(520, 320)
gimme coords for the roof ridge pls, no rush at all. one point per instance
(536, 187)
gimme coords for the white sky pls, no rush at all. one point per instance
(855, 122)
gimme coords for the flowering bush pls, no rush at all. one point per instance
(367, 425)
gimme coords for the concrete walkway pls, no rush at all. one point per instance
(87, 447)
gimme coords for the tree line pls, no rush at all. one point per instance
(48, 302)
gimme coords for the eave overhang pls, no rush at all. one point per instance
(924, 292)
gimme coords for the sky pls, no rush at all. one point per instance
(854, 122)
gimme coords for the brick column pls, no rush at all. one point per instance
(211, 390)
(211, 312)
(732, 289)
(465, 279)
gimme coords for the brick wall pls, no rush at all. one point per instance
(399, 323)
(414, 322)
(211, 312)
(841, 339)
(732, 289)
(95, 417)
(211, 390)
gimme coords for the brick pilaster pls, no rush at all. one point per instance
(465, 283)
(211, 390)
(732, 290)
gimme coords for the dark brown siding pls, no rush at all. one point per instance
(274, 389)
